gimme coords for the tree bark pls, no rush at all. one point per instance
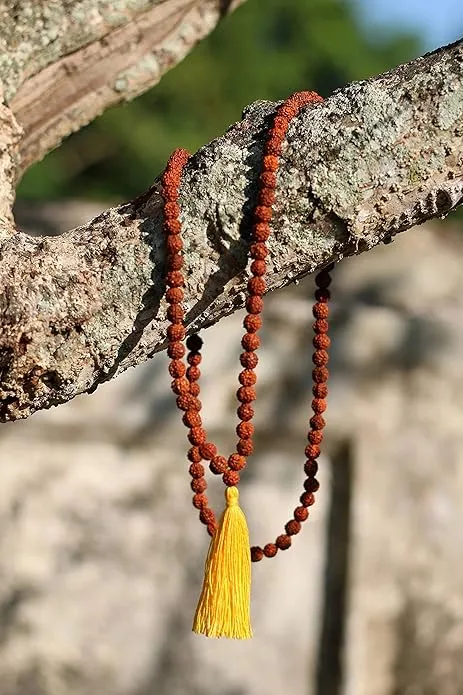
(377, 158)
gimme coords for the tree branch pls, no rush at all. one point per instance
(375, 159)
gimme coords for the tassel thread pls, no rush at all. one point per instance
(224, 605)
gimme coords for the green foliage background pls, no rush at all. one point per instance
(265, 50)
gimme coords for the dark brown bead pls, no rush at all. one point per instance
(322, 295)
(256, 554)
(175, 261)
(177, 369)
(245, 447)
(249, 360)
(311, 485)
(194, 342)
(301, 514)
(320, 390)
(250, 341)
(194, 358)
(192, 418)
(310, 468)
(246, 394)
(270, 550)
(207, 516)
(320, 358)
(317, 422)
(196, 470)
(259, 251)
(307, 499)
(320, 375)
(293, 527)
(176, 350)
(231, 478)
(245, 412)
(198, 485)
(197, 436)
(236, 462)
(315, 437)
(283, 542)
(174, 295)
(200, 501)
(193, 373)
(208, 451)
(175, 313)
(193, 455)
(245, 430)
(266, 198)
(218, 465)
(212, 528)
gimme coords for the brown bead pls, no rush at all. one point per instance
(321, 326)
(257, 286)
(208, 451)
(321, 341)
(270, 550)
(252, 322)
(320, 390)
(236, 462)
(174, 244)
(245, 430)
(254, 304)
(171, 210)
(263, 213)
(283, 542)
(315, 437)
(198, 485)
(194, 342)
(175, 332)
(258, 251)
(207, 516)
(177, 369)
(273, 146)
(249, 360)
(261, 231)
(320, 358)
(312, 451)
(322, 295)
(311, 485)
(172, 226)
(193, 455)
(320, 375)
(317, 422)
(250, 341)
(174, 261)
(192, 418)
(266, 198)
(176, 350)
(194, 389)
(193, 373)
(200, 501)
(218, 465)
(301, 514)
(293, 527)
(245, 412)
(174, 295)
(180, 386)
(247, 377)
(196, 470)
(319, 405)
(245, 447)
(194, 358)
(258, 268)
(246, 394)
(212, 528)
(197, 436)
(175, 313)
(270, 163)
(307, 499)
(231, 478)
(320, 311)
(310, 468)
(174, 278)
(268, 179)
(257, 553)
(188, 402)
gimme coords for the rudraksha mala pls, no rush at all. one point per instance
(185, 382)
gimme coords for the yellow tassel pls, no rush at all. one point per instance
(224, 605)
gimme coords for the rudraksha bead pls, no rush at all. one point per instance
(283, 542)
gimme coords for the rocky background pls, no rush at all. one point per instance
(101, 556)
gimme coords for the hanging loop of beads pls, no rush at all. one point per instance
(185, 383)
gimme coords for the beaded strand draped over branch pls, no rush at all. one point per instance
(213, 615)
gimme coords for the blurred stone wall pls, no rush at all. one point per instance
(101, 555)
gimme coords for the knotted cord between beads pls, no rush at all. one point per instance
(185, 382)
